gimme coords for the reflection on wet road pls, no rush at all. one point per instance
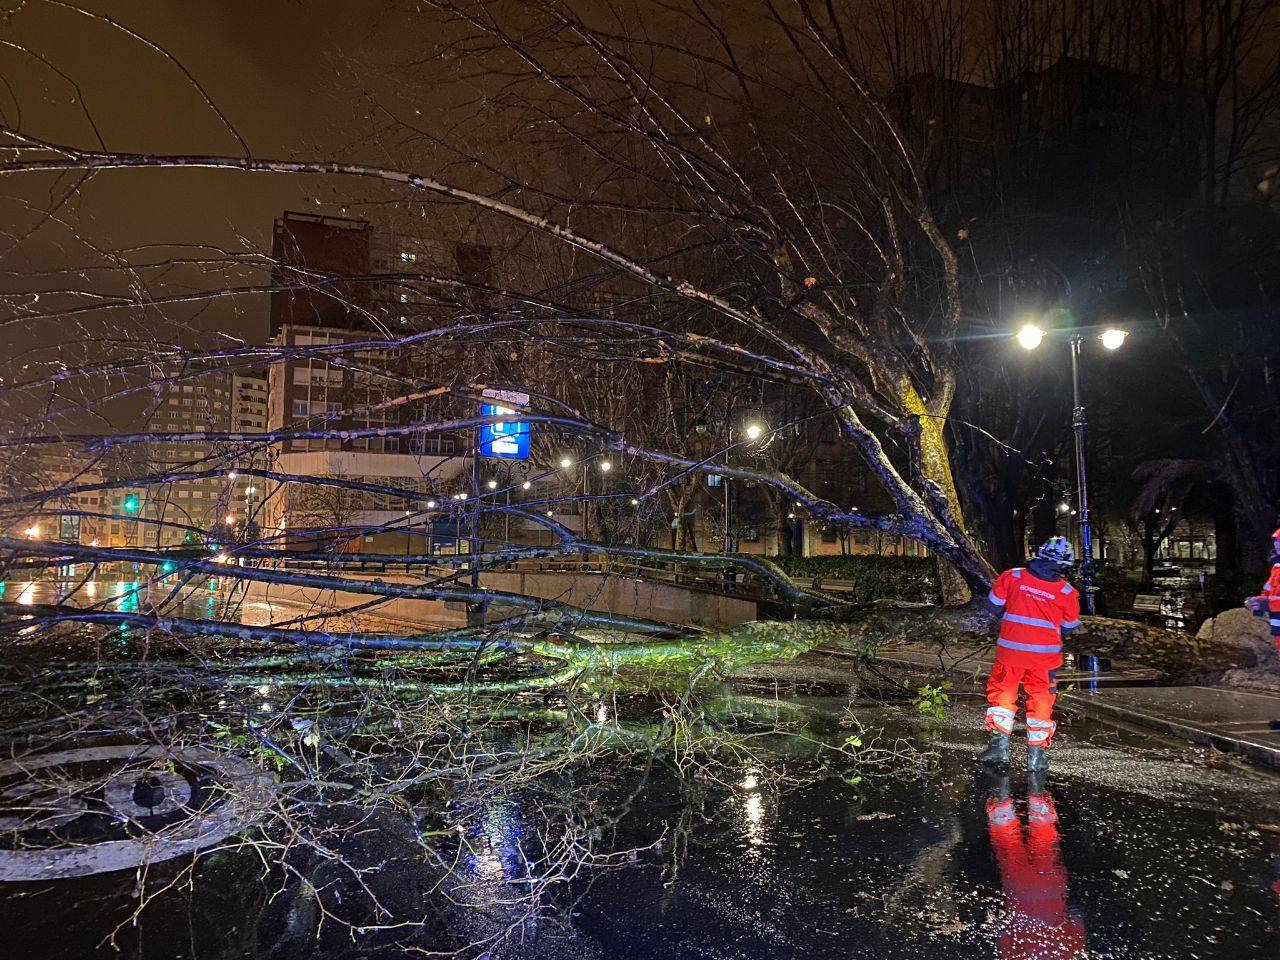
(128, 589)
(1112, 856)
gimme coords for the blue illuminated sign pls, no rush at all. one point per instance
(505, 439)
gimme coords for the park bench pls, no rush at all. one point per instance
(1147, 603)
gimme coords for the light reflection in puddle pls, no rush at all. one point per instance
(754, 827)
(494, 844)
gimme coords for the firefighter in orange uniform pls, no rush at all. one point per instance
(1039, 922)
(1038, 607)
(1267, 603)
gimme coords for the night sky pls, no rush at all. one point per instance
(277, 69)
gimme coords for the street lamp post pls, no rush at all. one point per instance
(754, 431)
(1082, 485)
(1030, 337)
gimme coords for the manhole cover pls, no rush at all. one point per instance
(95, 809)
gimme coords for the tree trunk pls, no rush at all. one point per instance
(935, 464)
(1225, 531)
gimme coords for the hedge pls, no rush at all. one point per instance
(873, 578)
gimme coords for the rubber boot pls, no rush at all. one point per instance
(1037, 759)
(997, 750)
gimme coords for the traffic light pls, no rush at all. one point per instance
(131, 503)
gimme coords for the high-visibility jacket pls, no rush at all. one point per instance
(1270, 596)
(1035, 612)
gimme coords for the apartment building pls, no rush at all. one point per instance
(150, 507)
(329, 265)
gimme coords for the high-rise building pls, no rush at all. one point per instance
(340, 275)
(152, 506)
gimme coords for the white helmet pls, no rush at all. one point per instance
(1059, 550)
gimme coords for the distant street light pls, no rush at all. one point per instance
(1113, 339)
(526, 485)
(1030, 337)
(566, 463)
(635, 502)
(754, 431)
(431, 504)
(605, 466)
(230, 521)
(33, 531)
(493, 484)
(232, 475)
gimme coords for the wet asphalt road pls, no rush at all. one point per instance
(1135, 848)
(1151, 856)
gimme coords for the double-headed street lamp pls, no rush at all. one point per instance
(567, 463)
(1030, 337)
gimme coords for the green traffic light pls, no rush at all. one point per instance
(131, 503)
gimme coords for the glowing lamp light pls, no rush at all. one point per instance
(526, 485)
(635, 502)
(131, 503)
(230, 521)
(1030, 336)
(1064, 507)
(605, 466)
(754, 431)
(33, 531)
(431, 504)
(493, 484)
(1113, 339)
(232, 475)
(550, 513)
(566, 463)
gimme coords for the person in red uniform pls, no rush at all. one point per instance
(1037, 607)
(1039, 922)
(1267, 603)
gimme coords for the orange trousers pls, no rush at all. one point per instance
(1041, 686)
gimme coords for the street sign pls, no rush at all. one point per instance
(504, 439)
